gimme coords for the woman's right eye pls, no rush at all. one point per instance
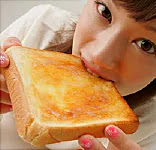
(104, 11)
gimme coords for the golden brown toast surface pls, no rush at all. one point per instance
(60, 92)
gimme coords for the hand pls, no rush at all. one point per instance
(5, 103)
(118, 140)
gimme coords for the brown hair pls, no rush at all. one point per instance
(140, 10)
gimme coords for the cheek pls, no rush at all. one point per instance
(137, 68)
(88, 26)
(83, 35)
(133, 79)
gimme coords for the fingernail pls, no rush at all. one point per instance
(86, 143)
(13, 41)
(3, 60)
(112, 132)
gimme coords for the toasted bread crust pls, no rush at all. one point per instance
(18, 98)
(40, 134)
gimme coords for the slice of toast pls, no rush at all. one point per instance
(55, 99)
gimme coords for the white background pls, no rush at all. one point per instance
(10, 10)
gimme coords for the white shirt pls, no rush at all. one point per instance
(48, 27)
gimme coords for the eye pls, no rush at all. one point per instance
(146, 46)
(104, 11)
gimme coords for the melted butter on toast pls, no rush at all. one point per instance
(61, 90)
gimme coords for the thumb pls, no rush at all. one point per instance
(11, 41)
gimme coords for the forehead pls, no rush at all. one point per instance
(140, 10)
(134, 11)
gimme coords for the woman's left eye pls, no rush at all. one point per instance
(146, 46)
(104, 11)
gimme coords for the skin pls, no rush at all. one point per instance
(112, 50)
(109, 49)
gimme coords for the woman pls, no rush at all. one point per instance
(115, 39)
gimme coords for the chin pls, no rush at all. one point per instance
(127, 90)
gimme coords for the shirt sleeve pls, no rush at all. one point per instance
(43, 27)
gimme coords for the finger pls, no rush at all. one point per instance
(5, 108)
(3, 85)
(88, 142)
(5, 98)
(4, 60)
(11, 41)
(111, 147)
(119, 139)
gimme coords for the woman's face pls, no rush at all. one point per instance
(115, 46)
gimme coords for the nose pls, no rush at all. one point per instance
(110, 50)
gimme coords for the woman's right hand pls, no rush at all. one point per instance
(5, 103)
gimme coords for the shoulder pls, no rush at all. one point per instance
(47, 10)
(52, 17)
(53, 27)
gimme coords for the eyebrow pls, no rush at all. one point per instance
(151, 28)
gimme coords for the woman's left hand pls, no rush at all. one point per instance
(118, 140)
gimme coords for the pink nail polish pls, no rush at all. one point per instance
(2, 59)
(112, 132)
(86, 143)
